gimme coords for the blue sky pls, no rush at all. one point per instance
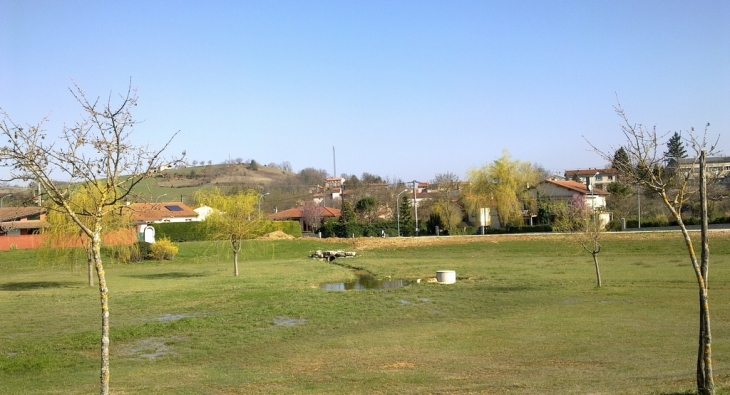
(402, 89)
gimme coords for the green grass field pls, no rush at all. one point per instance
(524, 317)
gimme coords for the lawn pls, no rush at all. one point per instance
(524, 317)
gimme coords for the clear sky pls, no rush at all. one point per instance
(402, 89)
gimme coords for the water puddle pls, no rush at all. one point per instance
(365, 282)
(153, 347)
(172, 317)
(167, 317)
(288, 321)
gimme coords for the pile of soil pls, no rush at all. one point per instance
(277, 235)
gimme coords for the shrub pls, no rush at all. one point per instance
(163, 249)
(614, 225)
(126, 253)
(143, 251)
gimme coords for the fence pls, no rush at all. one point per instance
(24, 242)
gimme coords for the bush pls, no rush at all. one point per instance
(126, 253)
(614, 225)
(163, 249)
(143, 251)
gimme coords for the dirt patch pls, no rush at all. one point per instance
(400, 365)
(367, 243)
(276, 235)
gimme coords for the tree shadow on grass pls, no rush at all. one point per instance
(510, 288)
(31, 285)
(169, 275)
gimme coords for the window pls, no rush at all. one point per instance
(174, 208)
(610, 178)
(599, 177)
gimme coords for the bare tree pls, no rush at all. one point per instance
(286, 166)
(447, 186)
(312, 214)
(674, 188)
(578, 220)
(95, 153)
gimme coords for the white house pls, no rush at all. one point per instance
(563, 191)
(145, 214)
(601, 178)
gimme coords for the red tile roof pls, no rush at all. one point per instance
(16, 213)
(577, 187)
(27, 224)
(151, 212)
(296, 213)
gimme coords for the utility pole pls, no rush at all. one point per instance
(639, 202)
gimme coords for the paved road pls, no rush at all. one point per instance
(671, 228)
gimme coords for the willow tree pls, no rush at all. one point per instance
(96, 153)
(502, 183)
(64, 237)
(234, 219)
(645, 167)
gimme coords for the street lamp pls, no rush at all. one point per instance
(415, 204)
(3, 198)
(261, 197)
(397, 198)
(158, 198)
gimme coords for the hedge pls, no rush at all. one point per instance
(198, 231)
(334, 228)
(181, 231)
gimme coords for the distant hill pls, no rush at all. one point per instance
(174, 185)
(181, 184)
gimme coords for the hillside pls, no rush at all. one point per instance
(181, 184)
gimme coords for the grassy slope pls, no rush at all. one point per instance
(524, 318)
(208, 177)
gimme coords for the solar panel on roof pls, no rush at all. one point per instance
(174, 208)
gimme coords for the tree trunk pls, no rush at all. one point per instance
(236, 248)
(598, 271)
(90, 264)
(104, 294)
(705, 382)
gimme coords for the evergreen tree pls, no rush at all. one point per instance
(621, 160)
(347, 214)
(675, 148)
(367, 208)
(406, 218)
